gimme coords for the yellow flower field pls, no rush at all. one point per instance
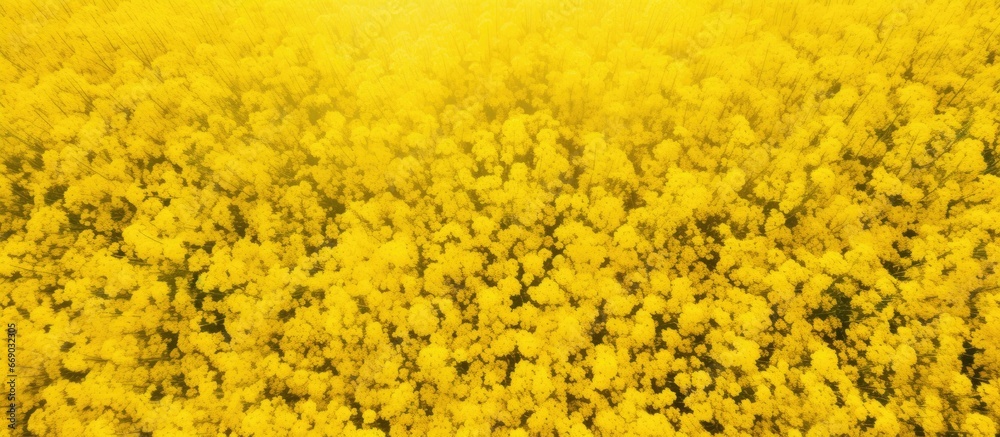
(506, 217)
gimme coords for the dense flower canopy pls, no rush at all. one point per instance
(508, 217)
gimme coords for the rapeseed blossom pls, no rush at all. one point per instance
(555, 217)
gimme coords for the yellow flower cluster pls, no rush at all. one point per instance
(509, 217)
